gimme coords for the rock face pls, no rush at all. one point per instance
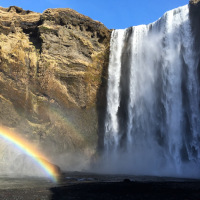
(53, 69)
(194, 12)
(195, 22)
(194, 2)
(194, 7)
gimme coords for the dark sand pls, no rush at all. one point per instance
(92, 186)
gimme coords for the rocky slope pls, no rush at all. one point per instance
(53, 69)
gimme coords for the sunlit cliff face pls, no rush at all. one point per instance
(52, 79)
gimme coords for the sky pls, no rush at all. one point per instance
(114, 14)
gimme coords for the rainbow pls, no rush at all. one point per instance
(28, 149)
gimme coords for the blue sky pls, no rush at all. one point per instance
(113, 13)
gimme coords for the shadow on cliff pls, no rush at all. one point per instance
(195, 24)
(102, 102)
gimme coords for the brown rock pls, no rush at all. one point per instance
(53, 69)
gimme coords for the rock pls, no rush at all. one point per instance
(126, 180)
(194, 6)
(76, 47)
(24, 165)
(53, 73)
(55, 169)
(194, 2)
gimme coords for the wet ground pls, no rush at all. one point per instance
(76, 185)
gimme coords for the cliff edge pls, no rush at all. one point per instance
(53, 69)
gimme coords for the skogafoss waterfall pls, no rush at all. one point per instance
(152, 124)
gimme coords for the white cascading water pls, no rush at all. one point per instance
(152, 124)
(112, 137)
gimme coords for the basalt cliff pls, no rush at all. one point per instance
(53, 69)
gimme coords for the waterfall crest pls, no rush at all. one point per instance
(152, 122)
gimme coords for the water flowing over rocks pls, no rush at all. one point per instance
(153, 115)
(53, 70)
(53, 81)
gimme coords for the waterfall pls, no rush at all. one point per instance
(152, 124)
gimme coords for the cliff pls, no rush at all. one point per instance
(194, 2)
(194, 12)
(53, 76)
(195, 23)
(53, 69)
